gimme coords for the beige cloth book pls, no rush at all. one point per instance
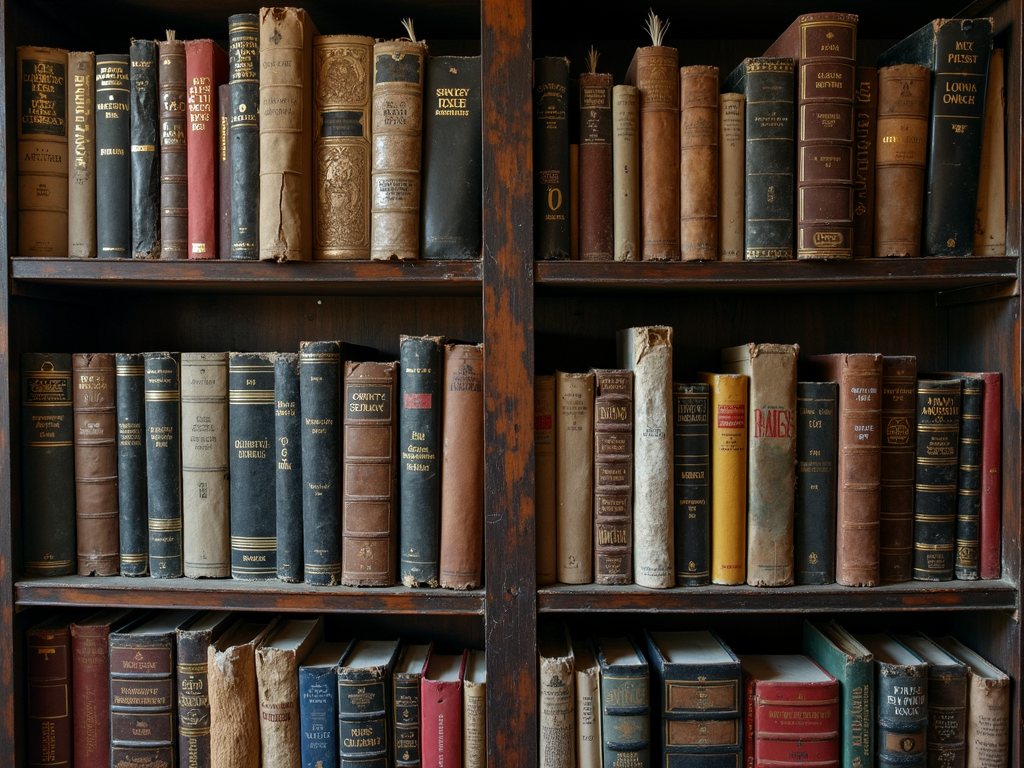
(731, 175)
(557, 706)
(574, 475)
(625, 178)
(589, 746)
(988, 707)
(474, 711)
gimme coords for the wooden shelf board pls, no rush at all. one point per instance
(147, 592)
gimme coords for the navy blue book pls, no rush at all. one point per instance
(625, 702)
(364, 703)
(133, 507)
(814, 523)
(288, 458)
(318, 704)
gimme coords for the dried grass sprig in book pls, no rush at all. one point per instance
(655, 28)
(407, 23)
(592, 57)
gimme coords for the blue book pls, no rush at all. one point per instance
(625, 702)
(318, 704)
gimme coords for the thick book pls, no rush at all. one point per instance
(113, 156)
(771, 457)
(407, 703)
(595, 160)
(474, 710)
(244, 134)
(697, 695)
(731, 175)
(251, 466)
(49, 717)
(840, 654)
(132, 497)
(698, 163)
(163, 463)
(625, 176)
(613, 476)
(625, 702)
(647, 352)
(990, 217)
(318, 705)
(551, 185)
(342, 87)
(192, 644)
(42, 144)
(858, 494)
(574, 476)
(814, 517)
(419, 459)
(364, 703)
(205, 508)
(896, 510)
(823, 47)
(145, 149)
(957, 53)
(441, 692)
(589, 746)
(865, 120)
(545, 477)
(691, 480)
(173, 148)
(556, 709)
(451, 210)
(288, 463)
(770, 138)
(95, 417)
(82, 154)
(286, 134)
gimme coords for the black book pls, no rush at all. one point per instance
(551, 157)
(47, 464)
(163, 463)
(452, 196)
(957, 51)
(968, 479)
(244, 133)
(814, 523)
(407, 704)
(192, 685)
(692, 482)
(145, 151)
(419, 466)
(288, 444)
(625, 702)
(364, 704)
(251, 465)
(113, 164)
(132, 498)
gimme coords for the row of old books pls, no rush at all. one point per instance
(325, 466)
(803, 154)
(289, 146)
(684, 698)
(781, 469)
(200, 689)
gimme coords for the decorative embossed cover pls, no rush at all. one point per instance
(193, 685)
(613, 476)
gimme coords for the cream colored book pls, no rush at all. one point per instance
(731, 175)
(557, 712)
(574, 475)
(589, 747)
(626, 172)
(474, 711)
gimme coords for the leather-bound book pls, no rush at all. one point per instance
(419, 460)
(47, 464)
(318, 704)
(770, 129)
(192, 678)
(397, 149)
(173, 148)
(42, 139)
(452, 191)
(286, 134)
(691, 478)
(369, 515)
(957, 52)
(474, 710)
(814, 519)
(288, 466)
(902, 149)
(698, 163)
(574, 477)
(556, 702)
(364, 702)
(342, 155)
(206, 68)
(223, 173)
(49, 733)
(625, 702)
(205, 508)
(244, 134)
(441, 692)
(132, 497)
(896, 513)
(145, 150)
(613, 476)
(545, 474)
(251, 465)
(407, 701)
(823, 47)
(82, 154)
(113, 156)
(731, 175)
(163, 463)
(990, 230)
(462, 467)
(551, 194)
(95, 413)
(625, 176)
(595, 160)
(865, 127)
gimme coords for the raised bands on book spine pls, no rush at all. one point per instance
(896, 510)
(613, 476)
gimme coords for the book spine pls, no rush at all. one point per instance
(452, 216)
(223, 173)
(145, 150)
(142, 695)
(556, 712)
(545, 478)
(796, 717)
(625, 717)
(244, 134)
(42, 143)
(731, 173)
(701, 705)
(988, 722)
(320, 399)
(589, 746)
(318, 716)
(163, 463)
(369, 498)
(968, 479)
(343, 158)
(902, 715)
(397, 149)
(173, 150)
(132, 497)
(728, 431)
(990, 532)
(551, 157)
(407, 709)
(595, 160)
(574, 478)
(613, 477)
(192, 685)
(288, 466)
(865, 128)
(442, 716)
(947, 715)
(205, 67)
(234, 705)
(251, 466)
(814, 523)
(113, 161)
(90, 688)
(362, 717)
(277, 677)
(419, 479)
(692, 483)
(935, 469)
(902, 141)
(474, 724)
(95, 417)
(462, 468)
(49, 719)
(625, 179)
(990, 229)
(204, 465)
(286, 135)
(896, 513)
(82, 151)
(698, 162)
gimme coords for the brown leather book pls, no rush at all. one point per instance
(574, 475)
(896, 513)
(904, 94)
(370, 500)
(462, 467)
(625, 180)
(49, 718)
(173, 148)
(865, 124)
(595, 160)
(698, 163)
(613, 477)
(96, 508)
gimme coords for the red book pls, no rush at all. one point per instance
(791, 712)
(441, 715)
(48, 676)
(206, 68)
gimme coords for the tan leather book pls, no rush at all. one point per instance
(625, 179)
(557, 700)
(698, 163)
(82, 154)
(731, 175)
(613, 476)
(462, 467)
(990, 229)
(544, 478)
(896, 510)
(574, 475)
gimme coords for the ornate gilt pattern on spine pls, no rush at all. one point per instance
(613, 476)
(691, 480)
(698, 163)
(82, 155)
(173, 150)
